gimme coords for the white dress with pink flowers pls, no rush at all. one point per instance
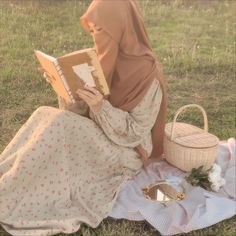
(62, 168)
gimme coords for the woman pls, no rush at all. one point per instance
(64, 168)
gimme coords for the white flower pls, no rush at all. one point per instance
(216, 168)
(215, 187)
(215, 178)
(222, 181)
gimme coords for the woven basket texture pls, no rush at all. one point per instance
(187, 146)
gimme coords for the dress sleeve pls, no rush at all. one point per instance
(128, 129)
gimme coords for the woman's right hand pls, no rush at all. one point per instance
(45, 75)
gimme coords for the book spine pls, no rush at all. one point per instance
(58, 68)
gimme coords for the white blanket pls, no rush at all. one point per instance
(199, 209)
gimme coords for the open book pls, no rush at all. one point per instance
(73, 71)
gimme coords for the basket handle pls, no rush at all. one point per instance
(183, 108)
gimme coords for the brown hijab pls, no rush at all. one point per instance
(127, 60)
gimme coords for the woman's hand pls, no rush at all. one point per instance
(48, 78)
(92, 97)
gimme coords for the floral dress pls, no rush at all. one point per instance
(66, 166)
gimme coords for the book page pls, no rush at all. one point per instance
(81, 68)
(83, 71)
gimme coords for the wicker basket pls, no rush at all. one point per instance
(187, 146)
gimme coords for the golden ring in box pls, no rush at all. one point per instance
(163, 192)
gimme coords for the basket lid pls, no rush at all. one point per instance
(182, 129)
(191, 136)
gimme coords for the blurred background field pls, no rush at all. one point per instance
(193, 39)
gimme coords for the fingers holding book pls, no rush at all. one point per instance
(93, 90)
(92, 97)
(49, 78)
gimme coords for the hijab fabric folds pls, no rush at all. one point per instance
(128, 62)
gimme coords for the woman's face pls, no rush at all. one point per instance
(94, 31)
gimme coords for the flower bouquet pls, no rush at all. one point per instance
(210, 179)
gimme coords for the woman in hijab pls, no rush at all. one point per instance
(63, 168)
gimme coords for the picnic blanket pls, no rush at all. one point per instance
(200, 208)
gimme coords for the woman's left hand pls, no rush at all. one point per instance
(92, 97)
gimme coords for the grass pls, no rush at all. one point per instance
(195, 41)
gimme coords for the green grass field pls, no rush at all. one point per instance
(194, 39)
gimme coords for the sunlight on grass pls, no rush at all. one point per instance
(195, 41)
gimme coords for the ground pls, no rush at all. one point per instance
(194, 40)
